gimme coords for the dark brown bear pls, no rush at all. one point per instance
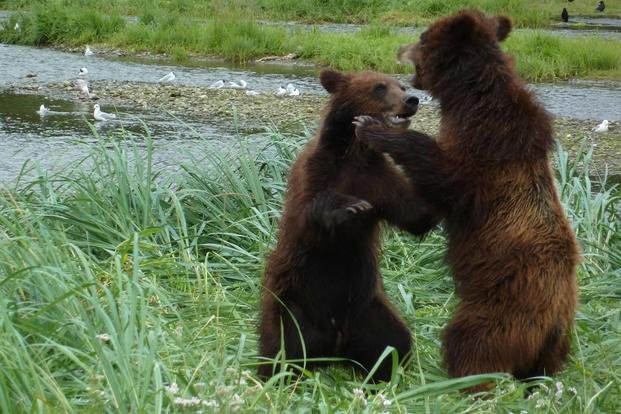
(322, 286)
(511, 249)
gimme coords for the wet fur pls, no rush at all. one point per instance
(324, 270)
(511, 249)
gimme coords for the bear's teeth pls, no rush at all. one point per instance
(395, 119)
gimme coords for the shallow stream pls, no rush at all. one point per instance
(64, 135)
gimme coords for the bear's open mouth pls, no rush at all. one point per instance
(399, 120)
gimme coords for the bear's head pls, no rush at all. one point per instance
(368, 93)
(461, 49)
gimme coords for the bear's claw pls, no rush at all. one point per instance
(363, 121)
(360, 206)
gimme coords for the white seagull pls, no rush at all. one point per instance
(217, 85)
(82, 87)
(281, 91)
(167, 78)
(43, 110)
(603, 127)
(101, 116)
(294, 92)
(82, 72)
(88, 51)
(241, 85)
(290, 89)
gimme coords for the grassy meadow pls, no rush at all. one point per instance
(399, 12)
(124, 289)
(235, 32)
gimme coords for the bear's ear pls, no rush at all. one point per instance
(332, 79)
(503, 27)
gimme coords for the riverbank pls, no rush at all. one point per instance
(241, 38)
(406, 13)
(127, 289)
(233, 108)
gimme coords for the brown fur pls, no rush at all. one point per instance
(324, 270)
(511, 249)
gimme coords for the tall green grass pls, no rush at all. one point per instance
(404, 12)
(124, 289)
(540, 56)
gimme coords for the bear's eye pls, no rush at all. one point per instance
(402, 88)
(379, 90)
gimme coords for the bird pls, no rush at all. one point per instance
(290, 88)
(43, 110)
(82, 86)
(603, 127)
(217, 84)
(241, 85)
(294, 92)
(600, 6)
(167, 78)
(425, 100)
(565, 15)
(252, 93)
(88, 51)
(281, 91)
(82, 72)
(101, 116)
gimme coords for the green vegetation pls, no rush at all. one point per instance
(118, 281)
(540, 56)
(401, 12)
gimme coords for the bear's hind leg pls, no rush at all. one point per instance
(552, 355)
(301, 339)
(481, 340)
(368, 335)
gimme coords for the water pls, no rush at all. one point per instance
(608, 28)
(65, 136)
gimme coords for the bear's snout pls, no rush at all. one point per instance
(411, 101)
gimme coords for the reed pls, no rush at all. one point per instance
(127, 290)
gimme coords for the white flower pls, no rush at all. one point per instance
(359, 395)
(523, 412)
(540, 403)
(545, 387)
(559, 386)
(172, 388)
(211, 404)
(236, 402)
(104, 337)
(188, 402)
(199, 385)
(230, 372)
(533, 395)
(383, 400)
(223, 390)
(573, 390)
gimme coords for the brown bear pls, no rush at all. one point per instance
(323, 295)
(511, 249)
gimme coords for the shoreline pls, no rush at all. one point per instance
(249, 113)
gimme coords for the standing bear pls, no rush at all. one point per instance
(510, 247)
(323, 294)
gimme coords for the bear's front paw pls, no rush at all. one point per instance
(362, 122)
(347, 212)
(359, 207)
